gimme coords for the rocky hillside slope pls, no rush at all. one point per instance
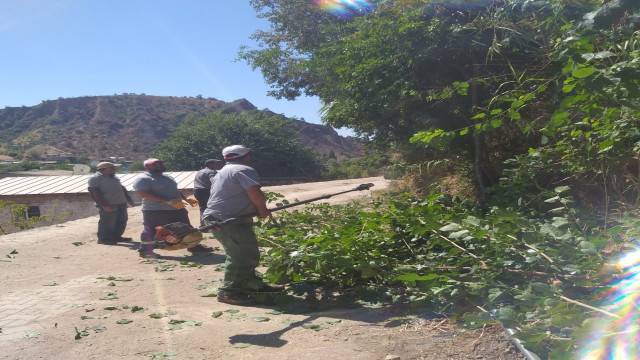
(128, 125)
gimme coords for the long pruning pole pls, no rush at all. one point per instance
(216, 224)
(357, 188)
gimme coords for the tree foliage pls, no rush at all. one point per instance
(411, 67)
(277, 151)
(15, 216)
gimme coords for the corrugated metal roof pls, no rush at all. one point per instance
(76, 184)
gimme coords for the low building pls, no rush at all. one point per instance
(63, 198)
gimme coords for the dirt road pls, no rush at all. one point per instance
(66, 297)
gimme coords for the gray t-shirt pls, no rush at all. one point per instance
(203, 178)
(110, 188)
(228, 196)
(160, 185)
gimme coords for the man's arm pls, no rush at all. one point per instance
(176, 203)
(151, 196)
(97, 197)
(128, 197)
(259, 200)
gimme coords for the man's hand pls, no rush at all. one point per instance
(264, 213)
(192, 202)
(176, 203)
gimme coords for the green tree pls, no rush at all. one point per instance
(16, 217)
(411, 66)
(590, 140)
(277, 151)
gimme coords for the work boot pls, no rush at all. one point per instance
(148, 255)
(236, 299)
(199, 248)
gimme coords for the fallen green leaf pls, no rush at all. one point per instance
(32, 335)
(216, 314)
(81, 333)
(163, 355)
(241, 345)
(313, 327)
(98, 328)
(190, 264)
(110, 297)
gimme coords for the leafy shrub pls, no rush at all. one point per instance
(533, 269)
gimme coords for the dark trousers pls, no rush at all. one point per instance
(112, 224)
(202, 195)
(152, 219)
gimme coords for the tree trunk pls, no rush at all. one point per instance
(478, 139)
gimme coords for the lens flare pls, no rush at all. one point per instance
(344, 7)
(617, 336)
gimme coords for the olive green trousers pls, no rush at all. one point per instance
(242, 257)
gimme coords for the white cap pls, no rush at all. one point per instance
(150, 161)
(235, 151)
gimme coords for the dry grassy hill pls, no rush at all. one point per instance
(128, 125)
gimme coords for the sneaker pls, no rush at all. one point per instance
(239, 299)
(270, 288)
(200, 248)
(148, 255)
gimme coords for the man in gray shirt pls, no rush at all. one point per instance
(236, 193)
(202, 182)
(162, 204)
(111, 199)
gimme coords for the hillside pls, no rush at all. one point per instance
(128, 125)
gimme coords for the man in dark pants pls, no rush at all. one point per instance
(111, 199)
(162, 204)
(202, 183)
(236, 193)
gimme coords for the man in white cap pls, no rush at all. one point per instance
(236, 193)
(111, 199)
(162, 204)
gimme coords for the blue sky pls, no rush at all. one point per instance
(73, 48)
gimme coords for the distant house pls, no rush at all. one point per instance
(66, 197)
(58, 157)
